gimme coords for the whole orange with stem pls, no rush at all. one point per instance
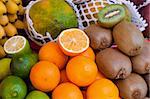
(67, 91)
(89, 53)
(63, 76)
(52, 53)
(102, 89)
(44, 76)
(81, 71)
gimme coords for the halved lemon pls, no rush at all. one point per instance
(17, 45)
(73, 41)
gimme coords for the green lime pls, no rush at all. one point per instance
(13, 87)
(17, 45)
(4, 67)
(21, 65)
(37, 95)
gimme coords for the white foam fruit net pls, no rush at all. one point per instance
(87, 14)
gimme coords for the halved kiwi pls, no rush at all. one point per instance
(111, 15)
(141, 62)
(133, 87)
(113, 64)
(100, 37)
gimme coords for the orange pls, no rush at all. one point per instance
(63, 76)
(89, 53)
(84, 94)
(73, 41)
(45, 76)
(52, 53)
(102, 89)
(99, 76)
(67, 91)
(81, 70)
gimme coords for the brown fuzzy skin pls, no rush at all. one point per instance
(141, 62)
(113, 64)
(100, 38)
(147, 79)
(129, 39)
(133, 87)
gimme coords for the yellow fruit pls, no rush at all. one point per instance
(12, 7)
(2, 52)
(4, 1)
(21, 10)
(10, 30)
(2, 32)
(18, 2)
(19, 24)
(12, 17)
(2, 41)
(2, 8)
(4, 20)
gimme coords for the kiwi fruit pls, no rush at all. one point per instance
(4, 20)
(12, 7)
(19, 24)
(10, 30)
(147, 79)
(3, 9)
(2, 52)
(141, 62)
(110, 15)
(12, 17)
(133, 87)
(2, 32)
(100, 37)
(128, 38)
(113, 64)
(128, 16)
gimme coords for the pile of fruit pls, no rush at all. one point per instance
(108, 60)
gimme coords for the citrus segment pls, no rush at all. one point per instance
(73, 41)
(17, 44)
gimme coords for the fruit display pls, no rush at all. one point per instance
(106, 60)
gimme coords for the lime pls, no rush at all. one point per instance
(13, 87)
(17, 45)
(37, 95)
(4, 67)
(21, 65)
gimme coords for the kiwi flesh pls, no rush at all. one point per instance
(100, 37)
(133, 87)
(111, 15)
(141, 62)
(113, 64)
(128, 38)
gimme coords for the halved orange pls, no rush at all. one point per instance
(73, 41)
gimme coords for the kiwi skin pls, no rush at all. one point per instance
(141, 62)
(113, 64)
(128, 38)
(147, 79)
(100, 38)
(133, 87)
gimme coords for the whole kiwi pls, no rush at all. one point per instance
(128, 38)
(147, 79)
(141, 62)
(113, 64)
(100, 38)
(133, 87)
